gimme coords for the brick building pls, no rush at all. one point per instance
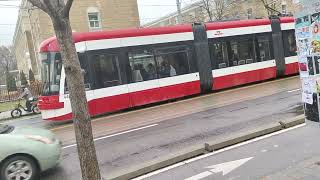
(34, 26)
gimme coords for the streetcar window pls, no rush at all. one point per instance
(143, 66)
(289, 42)
(264, 47)
(219, 54)
(173, 61)
(241, 50)
(106, 72)
(85, 67)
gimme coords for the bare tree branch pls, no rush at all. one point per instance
(38, 4)
(51, 10)
(67, 8)
(268, 6)
(7, 60)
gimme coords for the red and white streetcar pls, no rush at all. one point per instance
(134, 67)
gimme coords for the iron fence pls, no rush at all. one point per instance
(6, 96)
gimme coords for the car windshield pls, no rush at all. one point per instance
(5, 128)
(51, 73)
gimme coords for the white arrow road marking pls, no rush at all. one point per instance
(225, 168)
(200, 176)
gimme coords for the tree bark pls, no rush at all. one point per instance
(58, 11)
(81, 117)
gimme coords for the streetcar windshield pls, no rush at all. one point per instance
(51, 73)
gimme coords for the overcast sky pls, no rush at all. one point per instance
(149, 10)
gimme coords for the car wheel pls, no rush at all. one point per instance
(16, 113)
(19, 168)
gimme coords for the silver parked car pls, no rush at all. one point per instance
(25, 152)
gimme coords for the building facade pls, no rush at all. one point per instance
(34, 26)
(232, 10)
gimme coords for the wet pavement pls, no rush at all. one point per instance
(291, 155)
(178, 127)
(144, 116)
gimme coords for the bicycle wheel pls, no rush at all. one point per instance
(16, 113)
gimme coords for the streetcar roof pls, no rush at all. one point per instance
(50, 45)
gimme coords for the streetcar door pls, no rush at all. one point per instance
(144, 83)
(87, 83)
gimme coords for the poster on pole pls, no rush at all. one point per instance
(315, 26)
(308, 88)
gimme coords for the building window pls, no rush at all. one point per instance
(176, 19)
(249, 13)
(284, 7)
(94, 18)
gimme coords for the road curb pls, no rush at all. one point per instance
(209, 147)
(293, 122)
(158, 164)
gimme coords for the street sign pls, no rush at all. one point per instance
(225, 168)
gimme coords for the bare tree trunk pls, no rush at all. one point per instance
(58, 10)
(81, 117)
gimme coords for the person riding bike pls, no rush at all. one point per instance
(26, 94)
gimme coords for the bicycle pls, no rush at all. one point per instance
(17, 111)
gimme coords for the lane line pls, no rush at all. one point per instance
(294, 90)
(186, 100)
(200, 176)
(217, 152)
(117, 134)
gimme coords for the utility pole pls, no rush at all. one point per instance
(179, 12)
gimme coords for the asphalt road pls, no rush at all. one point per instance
(124, 150)
(127, 120)
(264, 159)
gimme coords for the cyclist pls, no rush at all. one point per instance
(26, 94)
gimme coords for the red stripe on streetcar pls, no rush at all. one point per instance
(124, 101)
(292, 68)
(243, 78)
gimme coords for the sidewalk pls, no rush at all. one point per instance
(5, 115)
(309, 167)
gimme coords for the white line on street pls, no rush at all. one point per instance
(200, 176)
(117, 134)
(217, 152)
(294, 90)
